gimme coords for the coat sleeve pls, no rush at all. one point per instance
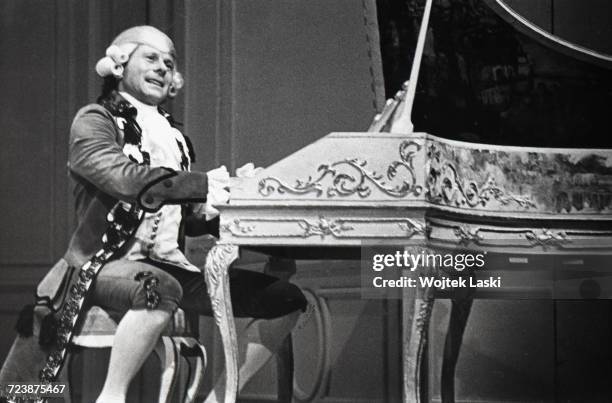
(96, 156)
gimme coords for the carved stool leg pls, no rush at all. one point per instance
(460, 311)
(417, 306)
(188, 347)
(167, 355)
(218, 261)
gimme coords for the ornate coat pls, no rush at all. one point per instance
(102, 175)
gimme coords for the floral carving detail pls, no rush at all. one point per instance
(324, 227)
(237, 226)
(467, 235)
(444, 186)
(547, 237)
(351, 176)
(413, 228)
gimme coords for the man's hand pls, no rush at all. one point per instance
(248, 170)
(218, 192)
(218, 188)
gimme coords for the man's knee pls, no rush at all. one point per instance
(283, 298)
(156, 290)
(124, 285)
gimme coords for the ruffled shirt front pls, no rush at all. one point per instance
(157, 236)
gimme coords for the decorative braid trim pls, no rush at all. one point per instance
(123, 221)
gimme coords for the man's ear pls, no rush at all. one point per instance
(176, 84)
(172, 91)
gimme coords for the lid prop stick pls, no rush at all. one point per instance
(403, 123)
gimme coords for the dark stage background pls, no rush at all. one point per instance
(265, 78)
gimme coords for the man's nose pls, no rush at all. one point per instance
(162, 69)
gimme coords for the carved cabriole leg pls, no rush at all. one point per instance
(460, 311)
(218, 261)
(417, 304)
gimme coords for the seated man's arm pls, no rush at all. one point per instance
(96, 156)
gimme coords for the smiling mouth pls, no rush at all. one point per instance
(155, 82)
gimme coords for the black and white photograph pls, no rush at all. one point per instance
(302, 201)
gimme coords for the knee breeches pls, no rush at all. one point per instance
(124, 284)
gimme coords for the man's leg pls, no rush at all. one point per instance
(257, 343)
(254, 295)
(136, 336)
(150, 296)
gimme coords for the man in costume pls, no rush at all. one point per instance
(131, 169)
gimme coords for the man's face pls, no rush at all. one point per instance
(148, 75)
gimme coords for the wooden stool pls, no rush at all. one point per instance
(97, 330)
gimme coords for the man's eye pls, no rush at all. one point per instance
(151, 58)
(170, 65)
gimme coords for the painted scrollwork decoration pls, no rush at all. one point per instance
(445, 186)
(351, 176)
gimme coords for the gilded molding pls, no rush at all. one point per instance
(340, 228)
(483, 236)
(357, 180)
